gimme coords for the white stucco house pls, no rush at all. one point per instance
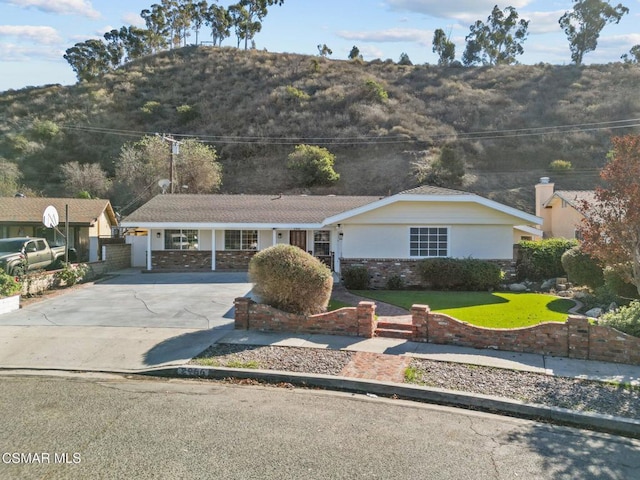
(386, 234)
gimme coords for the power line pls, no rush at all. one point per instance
(369, 140)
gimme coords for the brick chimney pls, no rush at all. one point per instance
(544, 191)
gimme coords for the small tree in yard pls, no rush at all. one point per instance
(290, 279)
(315, 165)
(611, 227)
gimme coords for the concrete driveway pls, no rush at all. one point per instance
(130, 322)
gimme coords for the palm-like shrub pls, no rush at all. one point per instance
(291, 280)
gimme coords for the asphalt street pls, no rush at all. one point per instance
(110, 427)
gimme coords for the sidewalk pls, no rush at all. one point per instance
(402, 349)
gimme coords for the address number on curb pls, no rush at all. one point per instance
(193, 372)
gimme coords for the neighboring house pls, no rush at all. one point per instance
(223, 232)
(560, 210)
(89, 220)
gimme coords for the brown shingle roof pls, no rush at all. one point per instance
(30, 209)
(274, 209)
(575, 197)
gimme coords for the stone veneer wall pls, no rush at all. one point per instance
(187, 260)
(234, 259)
(117, 256)
(381, 269)
(354, 321)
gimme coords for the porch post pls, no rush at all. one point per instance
(274, 238)
(213, 249)
(149, 249)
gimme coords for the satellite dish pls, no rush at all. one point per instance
(164, 184)
(50, 217)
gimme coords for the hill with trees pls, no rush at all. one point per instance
(491, 129)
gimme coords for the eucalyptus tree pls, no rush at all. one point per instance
(156, 22)
(219, 20)
(444, 47)
(88, 59)
(498, 41)
(583, 24)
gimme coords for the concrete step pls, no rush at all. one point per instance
(386, 325)
(393, 333)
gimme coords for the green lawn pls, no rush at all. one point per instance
(493, 310)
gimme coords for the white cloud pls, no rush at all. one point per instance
(134, 19)
(37, 34)
(11, 52)
(459, 9)
(64, 7)
(543, 22)
(391, 35)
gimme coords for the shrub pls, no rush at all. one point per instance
(71, 274)
(626, 319)
(560, 166)
(616, 279)
(355, 278)
(395, 282)
(290, 279)
(296, 94)
(375, 91)
(314, 164)
(187, 113)
(581, 268)
(460, 274)
(8, 285)
(540, 260)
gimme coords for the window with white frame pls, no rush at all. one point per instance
(240, 239)
(322, 242)
(181, 239)
(428, 241)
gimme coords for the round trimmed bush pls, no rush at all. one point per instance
(291, 280)
(581, 268)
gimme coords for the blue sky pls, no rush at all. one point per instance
(34, 34)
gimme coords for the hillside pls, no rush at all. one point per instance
(255, 106)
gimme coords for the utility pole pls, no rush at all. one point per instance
(175, 150)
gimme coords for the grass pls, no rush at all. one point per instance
(484, 309)
(336, 304)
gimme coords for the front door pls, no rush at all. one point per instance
(298, 238)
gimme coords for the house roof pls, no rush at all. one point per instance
(30, 209)
(243, 209)
(288, 211)
(573, 198)
(431, 190)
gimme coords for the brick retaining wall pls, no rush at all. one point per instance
(352, 321)
(575, 338)
(381, 269)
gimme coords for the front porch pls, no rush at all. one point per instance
(228, 250)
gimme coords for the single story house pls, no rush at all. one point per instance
(561, 210)
(89, 220)
(386, 234)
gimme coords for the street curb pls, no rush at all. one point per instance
(626, 427)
